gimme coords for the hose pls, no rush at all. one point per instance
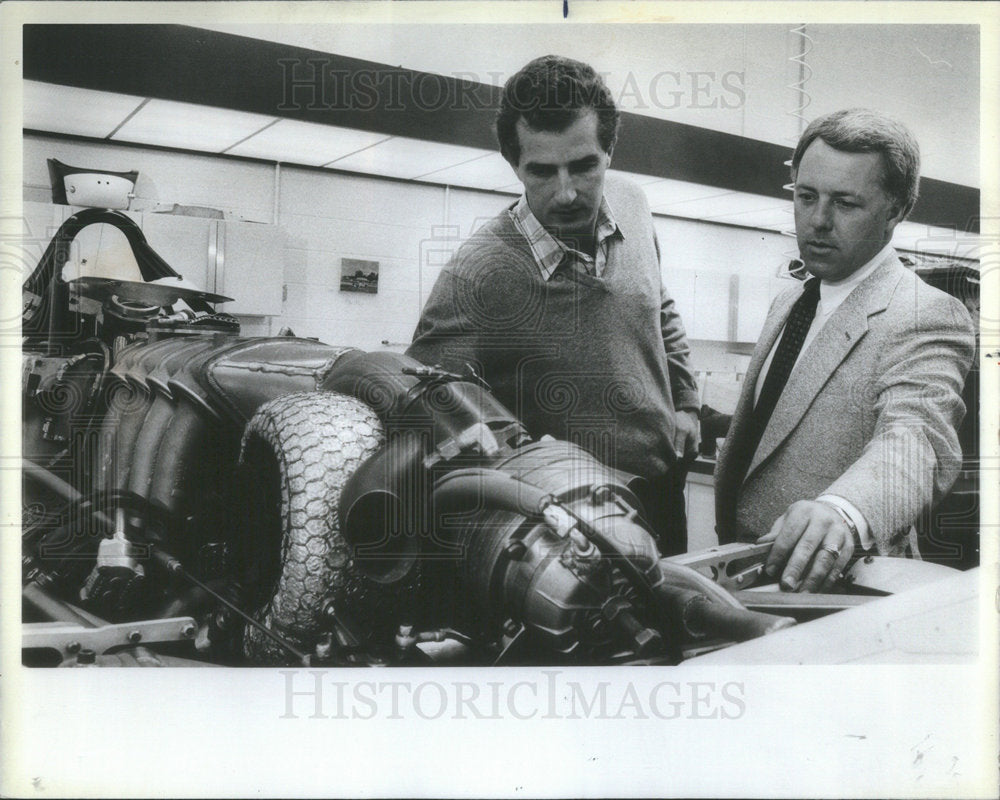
(681, 575)
(491, 488)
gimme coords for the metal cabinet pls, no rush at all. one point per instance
(187, 244)
(250, 267)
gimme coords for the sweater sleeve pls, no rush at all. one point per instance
(443, 337)
(683, 386)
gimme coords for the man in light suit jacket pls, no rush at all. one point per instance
(844, 434)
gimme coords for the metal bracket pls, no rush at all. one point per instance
(732, 566)
(69, 639)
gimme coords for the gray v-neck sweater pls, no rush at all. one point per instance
(581, 358)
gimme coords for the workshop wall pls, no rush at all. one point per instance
(410, 229)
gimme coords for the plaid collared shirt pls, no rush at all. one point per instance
(549, 252)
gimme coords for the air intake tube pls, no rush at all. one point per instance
(434, 423)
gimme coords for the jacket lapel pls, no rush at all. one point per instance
(744, 406)
(845, 328)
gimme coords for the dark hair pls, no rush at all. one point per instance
(860, 130)
(549, 93)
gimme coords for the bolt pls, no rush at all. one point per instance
(324, 647)
(581, 543)
(188, 631)
(601, 494)
(405, 639)
(646, 641)
(73, 647)
(134, 637)
(516, 550)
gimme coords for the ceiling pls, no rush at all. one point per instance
(165, 123)
(148, 119)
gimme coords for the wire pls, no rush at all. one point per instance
(174, 567)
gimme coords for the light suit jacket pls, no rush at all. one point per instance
(869, 413)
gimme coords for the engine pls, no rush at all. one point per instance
(227, 500)
(447, 523)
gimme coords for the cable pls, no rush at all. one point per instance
(174, 567)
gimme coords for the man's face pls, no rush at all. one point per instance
(563, 175)
(843, 216)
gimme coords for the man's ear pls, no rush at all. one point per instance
(611, 150)
(897, 213)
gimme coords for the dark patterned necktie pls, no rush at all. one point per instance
(786, 354)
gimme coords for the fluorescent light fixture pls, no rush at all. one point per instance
(402, 157)
(66, 109)
(190, 126)
(307, 143)
(488, 171)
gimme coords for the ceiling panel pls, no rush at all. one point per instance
(635, 177)
(773, 219)
(665, 192)
(716, 204)
(401, 157)
(65, 109)
(190, 126)
(488, 171)
(307, 143)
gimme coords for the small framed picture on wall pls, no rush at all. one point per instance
(357, 275)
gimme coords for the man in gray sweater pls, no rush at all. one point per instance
(558, 302)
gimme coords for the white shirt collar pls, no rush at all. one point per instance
(833, 293)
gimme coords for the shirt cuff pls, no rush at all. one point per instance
(864, 534)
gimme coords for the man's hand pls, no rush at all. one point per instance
(812, 547)
(687, 434)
